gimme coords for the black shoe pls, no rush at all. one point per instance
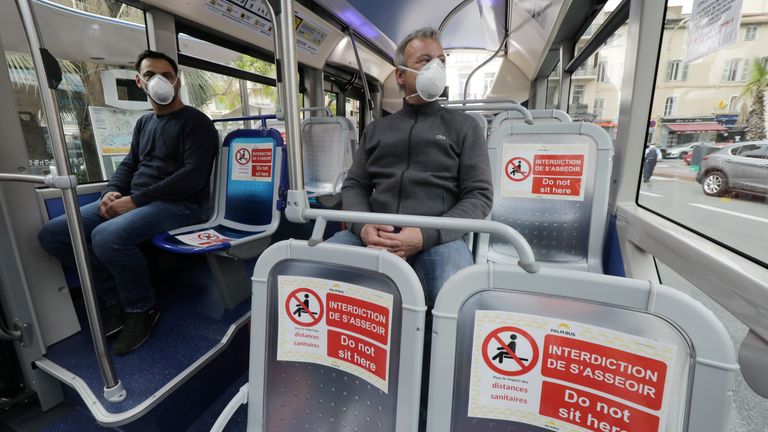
(113, 319)
(138, 327)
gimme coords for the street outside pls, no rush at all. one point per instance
(738, 220)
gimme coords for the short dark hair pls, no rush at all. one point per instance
(156, 55)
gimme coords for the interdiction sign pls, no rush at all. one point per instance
(567, 376)
(252, 161)
(203, 238)
(335, 324)
(551, 171)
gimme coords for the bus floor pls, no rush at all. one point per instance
(192, 324)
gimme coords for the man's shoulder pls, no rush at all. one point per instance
(196, 114)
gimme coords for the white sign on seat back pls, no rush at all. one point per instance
(551, 183)
(337, 340)
(574, 351)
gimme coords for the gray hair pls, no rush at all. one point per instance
(422, 33)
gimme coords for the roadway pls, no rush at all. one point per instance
(739, 221)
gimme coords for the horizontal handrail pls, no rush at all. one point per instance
(527, 260)
(262, 117)
(23, 178)
(496, 106)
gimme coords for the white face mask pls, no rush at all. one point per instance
(160, 89)
(430, 80)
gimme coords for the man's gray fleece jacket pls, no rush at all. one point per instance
(423, 160)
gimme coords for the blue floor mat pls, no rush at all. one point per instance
(239, 420)
(192, 322)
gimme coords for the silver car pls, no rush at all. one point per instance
(742, 167)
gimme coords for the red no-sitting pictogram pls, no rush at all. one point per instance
(297, 309)
(207, 236)
(517, 169)
(242, 156)
(518, 367)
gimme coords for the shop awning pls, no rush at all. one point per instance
(695, 127)
(608, 124)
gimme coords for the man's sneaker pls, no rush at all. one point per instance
(138, 327)
(113, 319)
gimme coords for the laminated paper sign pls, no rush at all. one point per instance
(335, 324)
(567, 376)
(543, 171)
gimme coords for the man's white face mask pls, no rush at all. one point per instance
(430, 80)
(160, 89)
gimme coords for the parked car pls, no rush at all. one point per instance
(742, 167)
(706, 150)
(683, 150)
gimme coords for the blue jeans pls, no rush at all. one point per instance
(433, 266)
(120, 272)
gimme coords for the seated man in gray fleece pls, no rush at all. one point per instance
(423, 160)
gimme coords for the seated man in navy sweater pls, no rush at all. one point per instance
(162, 184)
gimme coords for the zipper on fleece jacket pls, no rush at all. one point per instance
(408, 163)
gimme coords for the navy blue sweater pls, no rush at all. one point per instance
(170, 159)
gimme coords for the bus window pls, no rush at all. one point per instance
(330, 102)
(708, 121)
(220, 82)
(353, 113)
(460, 63)
(95, 129)
(553, 88)
(596, 84)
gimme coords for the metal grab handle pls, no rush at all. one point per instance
(263, 118)
(9, 335)
(527, 260)
(326, 109)
(500, 106)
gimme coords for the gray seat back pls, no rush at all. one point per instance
(561, 348)
(551, 183)
(328, 145)
(337, 340)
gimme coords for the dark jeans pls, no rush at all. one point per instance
(648, 168)
(120, 272)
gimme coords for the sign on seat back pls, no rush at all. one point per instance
(337, 340)
(567, 350)
(328, 145)
(551, 183)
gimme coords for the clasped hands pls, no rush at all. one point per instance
(406, 243)
(114, 204)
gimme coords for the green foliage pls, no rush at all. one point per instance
(755, 88)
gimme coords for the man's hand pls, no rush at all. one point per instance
(410, 239)
(371, 235)
(120, 206)
(106, 200)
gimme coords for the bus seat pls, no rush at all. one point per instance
(249, 183)
(336, 330)
(563, 348)
(481, 120)
(558, 197)
(328, 146)
(539, 116)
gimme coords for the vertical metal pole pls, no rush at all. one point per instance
(113, 389)
(291, 96)
(368, 100)
(566, 55)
